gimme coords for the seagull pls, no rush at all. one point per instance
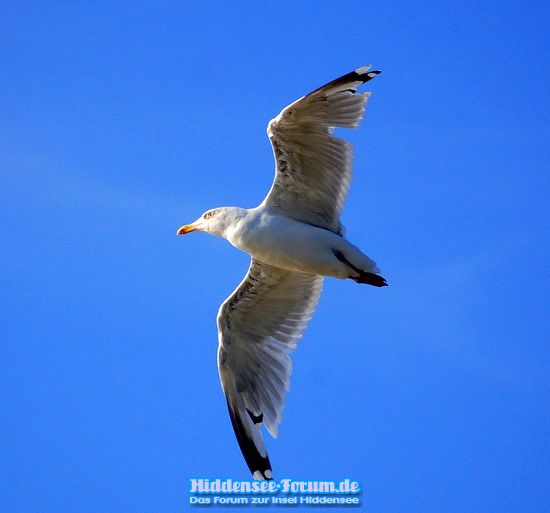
(294, 238)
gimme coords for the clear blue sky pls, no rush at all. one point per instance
(121, 121)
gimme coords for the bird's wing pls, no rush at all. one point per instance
(259, 326)
(313, 167)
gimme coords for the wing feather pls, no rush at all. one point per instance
(259, 326)
(313, 168)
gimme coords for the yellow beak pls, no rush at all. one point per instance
(186, 229)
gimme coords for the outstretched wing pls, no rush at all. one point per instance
(259, 326)
(313, 167)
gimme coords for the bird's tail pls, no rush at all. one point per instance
(370, 279)
(362, 276)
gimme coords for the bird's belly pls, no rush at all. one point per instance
(296, 247)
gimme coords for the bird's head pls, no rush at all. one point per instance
(201, 224)
(214, 221)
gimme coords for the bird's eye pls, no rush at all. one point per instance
(208, 214)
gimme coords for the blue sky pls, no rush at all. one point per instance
(121, 121)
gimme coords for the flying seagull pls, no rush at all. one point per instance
(294, 239)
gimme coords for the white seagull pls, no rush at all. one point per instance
(294, 239)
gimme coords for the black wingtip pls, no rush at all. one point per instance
(259, 466)
(364, 74)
